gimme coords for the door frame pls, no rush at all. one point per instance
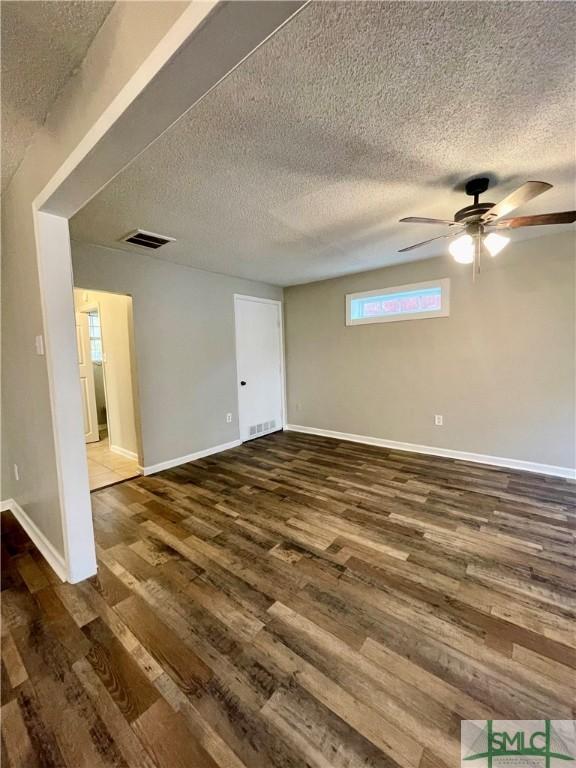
(211, 38)
(279, 302)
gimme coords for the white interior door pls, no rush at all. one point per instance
(259, 357)
(86, 378)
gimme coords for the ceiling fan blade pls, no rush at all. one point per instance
(520, 196)
(563, 217)
(425, 242)
(420, 220)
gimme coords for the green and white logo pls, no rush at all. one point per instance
(518, 743)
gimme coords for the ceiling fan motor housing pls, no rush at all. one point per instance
(472, 212)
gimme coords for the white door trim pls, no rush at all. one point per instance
(58, 314)
(242, 297)
(211, 39)
(83, 325)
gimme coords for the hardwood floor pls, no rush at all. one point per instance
(296, 601)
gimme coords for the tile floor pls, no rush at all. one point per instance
(106, 467)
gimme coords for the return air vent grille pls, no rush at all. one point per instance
(262, 428)
(146, 239)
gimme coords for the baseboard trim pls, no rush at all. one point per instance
(475, 458)
(189, 457)
(46, 549)
(124, 452)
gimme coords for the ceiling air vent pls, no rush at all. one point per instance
(146, 239)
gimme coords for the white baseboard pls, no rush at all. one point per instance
(476, 458)
(46, 549)
(190, 457)
(124, 452)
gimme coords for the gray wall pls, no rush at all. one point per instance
(184, 341)
(500, 369)
(129, 33)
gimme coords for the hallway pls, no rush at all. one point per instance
(106, 467)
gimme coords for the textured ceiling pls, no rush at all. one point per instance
(354, 115)
(42, 44)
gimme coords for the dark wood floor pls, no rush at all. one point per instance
(296, 601)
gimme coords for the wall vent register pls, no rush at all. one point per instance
(146, 239)
(417, 301)
(263, 428)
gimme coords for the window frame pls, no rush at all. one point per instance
(91, 326)
(443, 283)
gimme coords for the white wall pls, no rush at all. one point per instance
(184, 344)
(125, 39)
(500, 369)
(121, 391)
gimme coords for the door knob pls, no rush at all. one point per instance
(242, 383)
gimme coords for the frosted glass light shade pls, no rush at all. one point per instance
(494, 243)
(462, 249)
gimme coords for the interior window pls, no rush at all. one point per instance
(95, 337)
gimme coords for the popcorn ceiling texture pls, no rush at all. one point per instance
(354, 115)
(42, 45)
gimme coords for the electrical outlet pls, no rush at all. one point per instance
(16, 472)
(439, 420)
(229, 418)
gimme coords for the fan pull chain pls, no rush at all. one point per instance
(477, 256)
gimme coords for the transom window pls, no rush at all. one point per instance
(417, 301)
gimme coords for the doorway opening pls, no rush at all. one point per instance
(108, 384)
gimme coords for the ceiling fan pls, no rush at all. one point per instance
(476, 224)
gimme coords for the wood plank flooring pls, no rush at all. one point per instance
(293, 602)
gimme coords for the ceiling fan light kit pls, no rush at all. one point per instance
(462, 249)
(474, 223)
(494, 243)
